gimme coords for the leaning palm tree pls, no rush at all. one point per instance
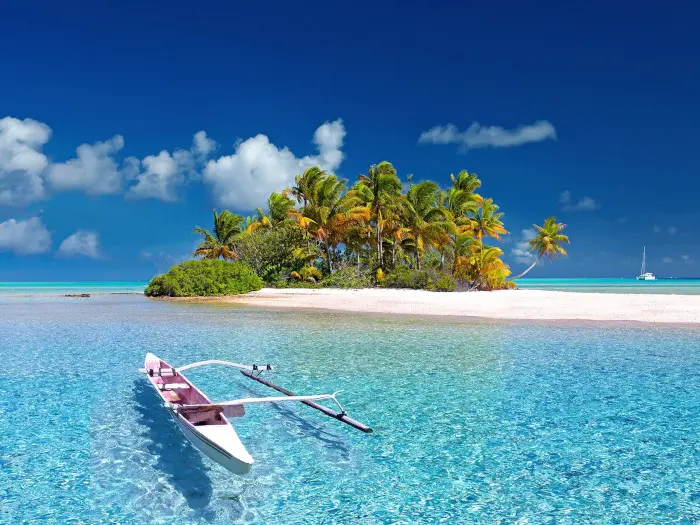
(380, 190)
(547, 242)
(218, 243)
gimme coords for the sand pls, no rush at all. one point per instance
(506, 304)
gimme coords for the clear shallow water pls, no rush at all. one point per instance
(474, 422)
(609, 285)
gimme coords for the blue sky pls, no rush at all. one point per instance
(588, 113)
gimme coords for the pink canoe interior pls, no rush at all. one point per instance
(182, 392)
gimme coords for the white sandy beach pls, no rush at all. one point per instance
(506, 304)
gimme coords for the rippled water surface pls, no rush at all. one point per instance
(474, 422)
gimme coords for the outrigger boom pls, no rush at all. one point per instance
(252, 400)
(340, 416)
(206, 424)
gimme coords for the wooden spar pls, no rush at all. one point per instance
(335, 415)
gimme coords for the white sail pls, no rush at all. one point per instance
(644, 275)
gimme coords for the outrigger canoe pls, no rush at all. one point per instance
(207, 425)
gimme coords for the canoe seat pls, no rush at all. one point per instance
(173, 386)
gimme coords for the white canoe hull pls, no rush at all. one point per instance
(231, 455)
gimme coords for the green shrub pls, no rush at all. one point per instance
(270, 252)
(427, 279)
(444, 283)
(203, 278)
(350, 277)
(311, 274)
(285, 283)
(403, 277)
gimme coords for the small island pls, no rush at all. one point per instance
(380, 232)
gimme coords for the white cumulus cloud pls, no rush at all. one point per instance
(83, 243)
(163, 173)
(478, 136)
(201, 144)
(94, 170)
(242, 180)
(667, 260)
(21, 160)
(521, 251)
(584, 204)
(24, 237)
(258, 167)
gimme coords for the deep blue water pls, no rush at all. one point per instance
(475, 422)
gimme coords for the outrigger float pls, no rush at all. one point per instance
(207, 424)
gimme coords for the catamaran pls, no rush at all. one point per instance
(206, 424)
(644, 275)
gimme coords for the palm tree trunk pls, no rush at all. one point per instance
(329, 258)
(529, 268)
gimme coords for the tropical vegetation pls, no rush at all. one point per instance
(379, 231)
(204, 277)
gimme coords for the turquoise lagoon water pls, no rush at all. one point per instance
(614, 285)
(478, 422)
(63, 287)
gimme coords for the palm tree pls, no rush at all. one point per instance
(428, 223)
(479, 264)
(493, 272)
(547, 242)
(306, 184)
(330, 213)
(356, 238)
(461, 201)
(278, 206)
(219, 242)
(380, 190)
(487, 221)
(467, 182)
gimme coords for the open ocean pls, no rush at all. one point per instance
(475, 422)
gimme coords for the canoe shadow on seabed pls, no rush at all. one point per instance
(176, 457)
